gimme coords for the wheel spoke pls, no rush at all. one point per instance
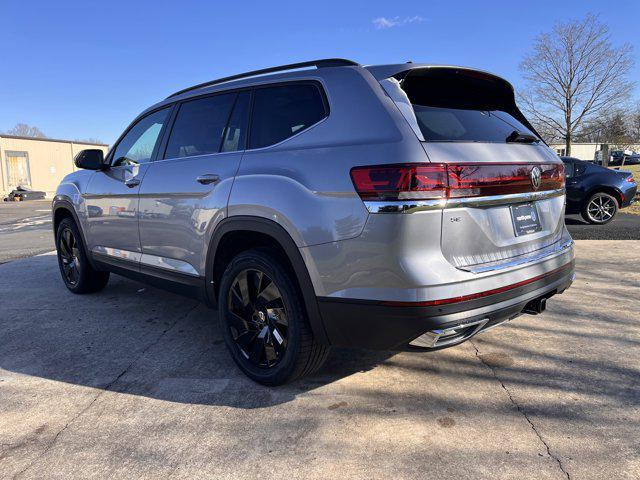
(237, 322)
(243, 287)
(245, 339)
(269, 293)
(258, 347)
(254, 280)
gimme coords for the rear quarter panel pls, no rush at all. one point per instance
(304, 182)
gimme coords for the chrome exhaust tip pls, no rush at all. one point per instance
(445, 337)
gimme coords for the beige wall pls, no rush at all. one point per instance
(587, 151)
(49, 161)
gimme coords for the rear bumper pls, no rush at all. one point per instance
(629, 195)
(383, 326)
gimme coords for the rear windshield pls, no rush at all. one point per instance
(456, 105)
(457, 125)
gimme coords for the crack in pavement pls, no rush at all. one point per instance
(105, 389)
(522, 412)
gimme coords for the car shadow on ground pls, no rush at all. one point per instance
(136, 340)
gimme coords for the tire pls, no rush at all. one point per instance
(263, 320)
(77, 273)
(600, 209)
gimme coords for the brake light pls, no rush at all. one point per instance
(631, 179)
(437, 181)
(400, 182)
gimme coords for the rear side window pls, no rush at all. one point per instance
(199, 126)
(282, 111)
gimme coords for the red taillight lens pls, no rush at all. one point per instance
(400, 182)
(502, 179)
(630, 179)
(434, 181)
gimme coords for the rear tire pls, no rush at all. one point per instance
(77, 273)
(264, 322)
(600, 209)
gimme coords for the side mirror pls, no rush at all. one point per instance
(91, 159)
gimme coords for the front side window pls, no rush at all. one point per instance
(138, 145)
(282, 111)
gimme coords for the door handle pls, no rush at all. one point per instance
(132, 182)
(208, 178)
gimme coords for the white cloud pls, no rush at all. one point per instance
(385, 22)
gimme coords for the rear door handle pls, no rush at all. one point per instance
(208, 178)
(132, 182)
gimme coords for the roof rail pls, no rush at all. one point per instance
(326, 62)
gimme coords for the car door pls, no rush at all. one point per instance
(111, 197)
(185, 192)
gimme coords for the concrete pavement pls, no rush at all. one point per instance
(134, 382)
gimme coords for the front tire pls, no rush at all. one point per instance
(77, 273)
(264, 322)
(600, 209)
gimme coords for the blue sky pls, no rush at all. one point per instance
(85, 69)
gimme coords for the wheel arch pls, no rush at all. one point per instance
(231, 237)
(64, 209)
(608, 189)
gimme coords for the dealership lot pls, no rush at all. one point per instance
(135, 382)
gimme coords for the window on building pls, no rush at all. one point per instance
(282, 111)
(138, 145)
(199, 126)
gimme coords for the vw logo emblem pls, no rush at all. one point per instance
(536, 177)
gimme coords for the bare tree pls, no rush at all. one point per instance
(634, 124)
(574, 75)
(24, 130)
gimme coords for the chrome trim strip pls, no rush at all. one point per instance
(404, 206)
(503, 199)
(546, 253)
(165, 263)
(133, 257)
(179, 266)
(409, 206)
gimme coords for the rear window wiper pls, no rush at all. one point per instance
(521, 137)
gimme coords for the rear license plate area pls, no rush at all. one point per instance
(526, 219)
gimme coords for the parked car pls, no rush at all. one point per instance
(596, 192)
(404, 207)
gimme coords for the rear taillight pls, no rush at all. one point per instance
(437, 181)
(631, 179)
(400, 182)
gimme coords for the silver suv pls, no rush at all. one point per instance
(400, 207)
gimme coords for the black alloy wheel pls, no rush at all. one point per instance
(70, 257)
(257, 318)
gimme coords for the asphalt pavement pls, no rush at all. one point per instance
(25, 229)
